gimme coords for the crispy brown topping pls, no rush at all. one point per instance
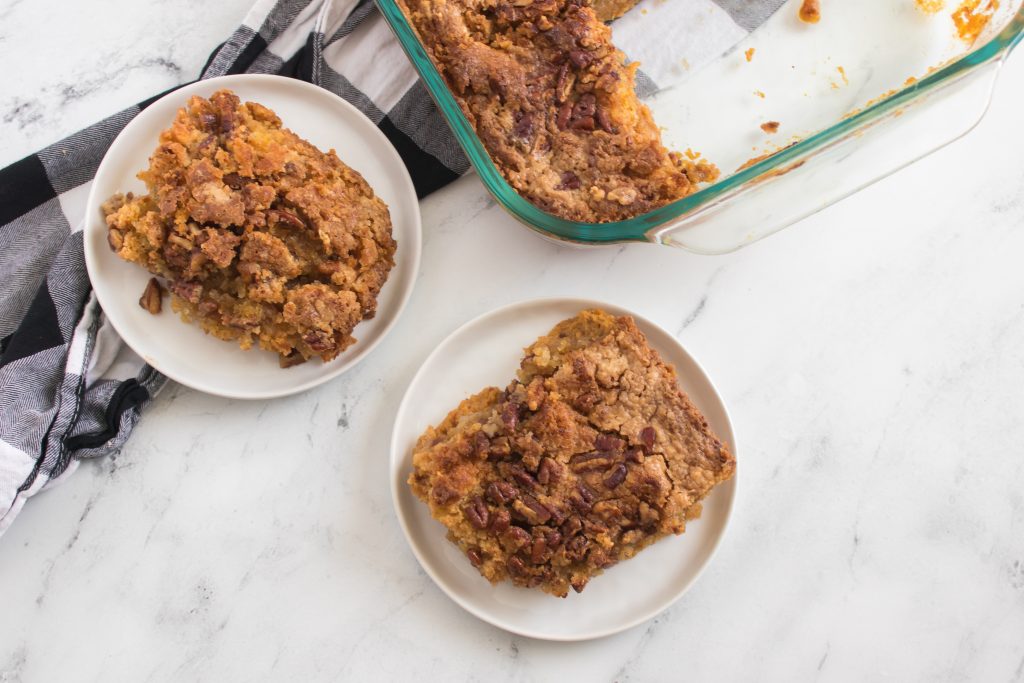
(516, 566)
(524, 127)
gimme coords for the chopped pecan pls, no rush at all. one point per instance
(576, 548)
(516, 566)
(581, 59)
(442, 494)
(291, 360)
(605, 122)
(614, 476)
(563, 116)
(510, 415)
(549, 472)
(563, 87)
(609, 442)
(647, 436)
(531, 509)
(475, 556)
(585, 123)
(115, 239)
(635, 455)
(571, 527)
(570, 181)
(501, 492)
(152, 296)
(500, 521)
(517, 536)
(585, 106)
(524, 478)
(523, 128)
(477, 513)
(595, 460)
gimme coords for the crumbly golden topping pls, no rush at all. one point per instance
(553, 101)
(589, 456)
(262, 237)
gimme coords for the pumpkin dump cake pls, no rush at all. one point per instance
(552, 100)
(262, 238)
(591, 454)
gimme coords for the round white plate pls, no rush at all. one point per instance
(487, 352)
(184, 352)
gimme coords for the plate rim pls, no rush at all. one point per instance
(414, 251)
(397, 481)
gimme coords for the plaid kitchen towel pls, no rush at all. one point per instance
(69, 388)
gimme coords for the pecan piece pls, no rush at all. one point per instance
(635, 455)
(443, 494)
(576, 548)
(549, 472)
(517, 536)
(605, 121)
(608, 442)
(477, 513)
(585, 123)
(501, 492)
(647, 436)
(475, 557)
(501, 520)
(115, 239)
(539, 551)
(581, 59)
(563, 88)
(595, 460)
(291, 360)
(614, 476)
(572, 526)
(510, 415)
(570, 181)
(233, 180)
(516, 566)
(531, 509)
(585, 106)
(152, 296)
(563, 116)
(524, 127)
(524, 478)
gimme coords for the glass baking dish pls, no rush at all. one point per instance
(875, 85)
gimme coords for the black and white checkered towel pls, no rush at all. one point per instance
(69, 388)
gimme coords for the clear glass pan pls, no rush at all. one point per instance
(876, 85)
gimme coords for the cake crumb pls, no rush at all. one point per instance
(810, 11)
(770, 127)
(759, 94)
(749, 54)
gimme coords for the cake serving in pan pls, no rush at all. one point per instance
(261, 237)
(590, 455)
(553, 102)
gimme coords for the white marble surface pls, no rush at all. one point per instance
(871, 356)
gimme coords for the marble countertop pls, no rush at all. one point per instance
(872, 357)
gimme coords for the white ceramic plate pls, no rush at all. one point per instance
(184, 352)
(486, 352)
